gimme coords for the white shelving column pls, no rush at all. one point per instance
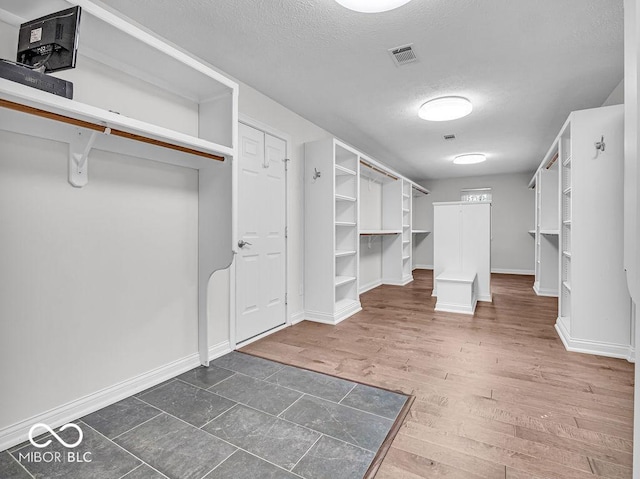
(332, 180)
(547, 228)
(407, 234)
(595, 306)
(419, 220)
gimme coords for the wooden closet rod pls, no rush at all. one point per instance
(378, 170)
(97, 127)
(552, 161)
(424, 192)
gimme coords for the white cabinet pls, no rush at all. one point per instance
(594, 306)
(462, 243)
(332, 180)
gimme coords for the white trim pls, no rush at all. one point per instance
(545, 292)
(422, 266)
(486, 299)
(598, 348)
(219, 349)
(296, 318)
(58, 416)
(525, 272)
(369, 286)
(456, 308)
(336, 318)
(407, 279)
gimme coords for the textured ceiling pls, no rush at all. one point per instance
(525, 64)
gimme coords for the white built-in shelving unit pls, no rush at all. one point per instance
(171, 108)
(420, 211)
(332, 178)
(407, 234)
(594, 304)
(547, 228)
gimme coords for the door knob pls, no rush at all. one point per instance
(243, 243)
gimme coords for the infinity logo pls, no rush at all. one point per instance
(60, 440)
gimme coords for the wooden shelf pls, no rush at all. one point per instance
(345, 198)
(342, 280)
(379, 232)
(341, 253)
(341, 170)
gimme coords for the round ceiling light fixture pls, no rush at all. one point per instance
(372, 6)
(469, 159)
(445, 108)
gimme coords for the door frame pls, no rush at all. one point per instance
(233, 313)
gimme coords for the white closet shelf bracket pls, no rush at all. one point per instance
(79, 149)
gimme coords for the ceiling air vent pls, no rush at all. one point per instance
(449, 137)
(403, 55)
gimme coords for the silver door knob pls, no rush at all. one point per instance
(243, 243)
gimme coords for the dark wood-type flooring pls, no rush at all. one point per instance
(497, 395)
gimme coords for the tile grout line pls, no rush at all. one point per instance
(127, 473)
(21, 465)
(307, 452)
(345, 396)
(259, 457)
(289, 406)
(135, 427)
(220, 463)
(221, 414)
(310, 395)
(125, 450)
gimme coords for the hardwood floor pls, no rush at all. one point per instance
(497, 395)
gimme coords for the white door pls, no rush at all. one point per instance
(261, 259)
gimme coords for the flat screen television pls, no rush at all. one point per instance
(50, 41)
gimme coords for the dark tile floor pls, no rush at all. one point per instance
(243, 417)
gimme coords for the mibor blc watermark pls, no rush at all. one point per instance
(54, 456)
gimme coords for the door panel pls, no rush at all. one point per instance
(261, 265)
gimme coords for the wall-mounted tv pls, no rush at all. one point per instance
(50, 43)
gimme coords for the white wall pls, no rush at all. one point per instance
(616, 97)
(512, 248)
(99, 284)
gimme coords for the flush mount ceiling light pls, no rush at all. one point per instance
(372, 6)
(445, 108)
(469, 159)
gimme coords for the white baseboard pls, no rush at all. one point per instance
(456, 308)
(297, 317)
(333, 319)
(58, 416)
(525, 272)
(611, 350)
(219, 349)
(422, 266)
(486, 299)
(369, 286)
(544, 291)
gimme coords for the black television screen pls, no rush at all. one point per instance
(51, 41)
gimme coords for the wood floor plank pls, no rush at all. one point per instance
(497, 394)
